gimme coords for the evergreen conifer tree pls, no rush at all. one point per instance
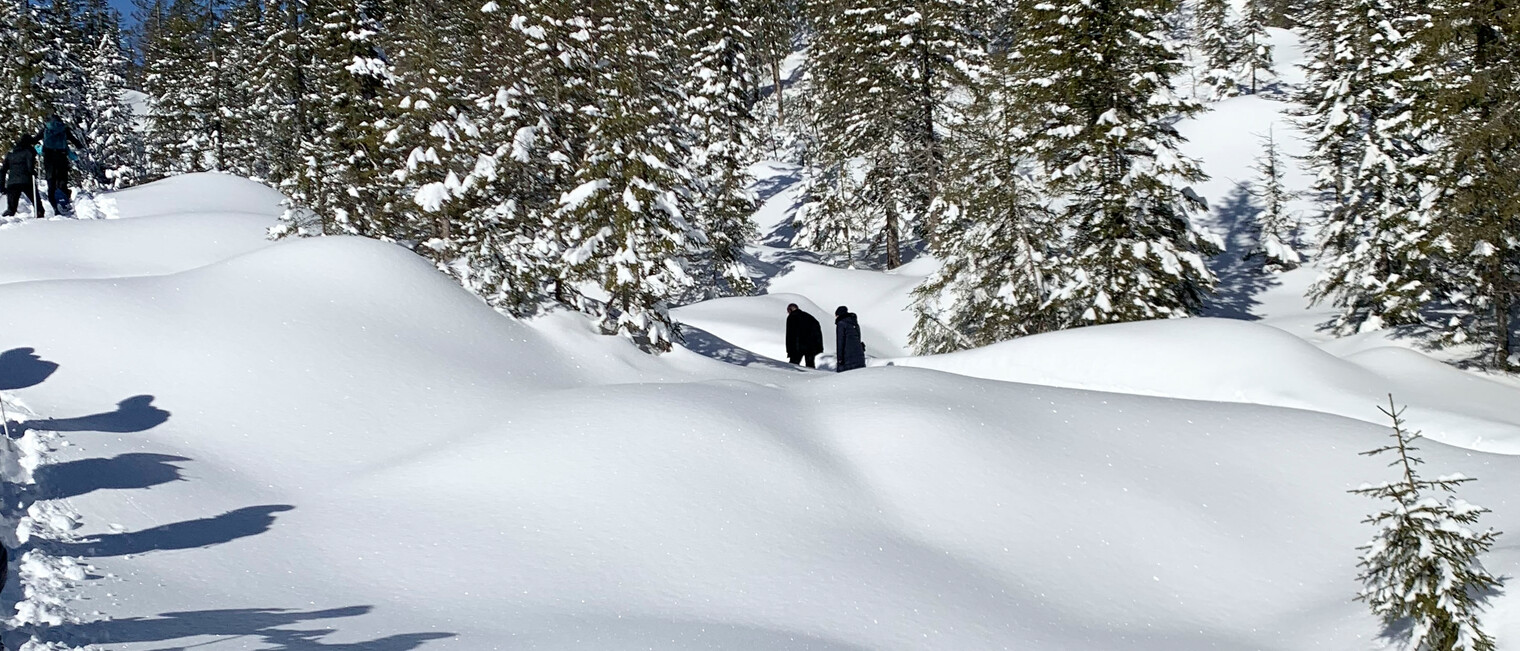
(1095, 85)
(627, 213)
(999, 244)
(1256, 54)
(1423, 564)
(1330, 131)
(22, 96)
(882, 80)
(114, 155)
(1478, 169)
(1275, 226)
(719, 103)
(176, 136)
(1378, 239)
(1219, 43)
(337, 187)
(64, 55)
(276, 101)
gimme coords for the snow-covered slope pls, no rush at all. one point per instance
(327, 443)
(315, 444)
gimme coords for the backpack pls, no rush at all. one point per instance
(55, 135)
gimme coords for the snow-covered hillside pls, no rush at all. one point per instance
(222, 442)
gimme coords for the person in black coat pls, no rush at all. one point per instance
(804, 336)
(848, 350)
(18, 171)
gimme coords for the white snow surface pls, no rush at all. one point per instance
(313, 444)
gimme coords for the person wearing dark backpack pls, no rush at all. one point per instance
(56, 137)
(849, 350)
(19, 173)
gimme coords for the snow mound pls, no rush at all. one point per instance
(213, 217)
(329, 441)
(1238, 361)
(205, 192)
(146, 246)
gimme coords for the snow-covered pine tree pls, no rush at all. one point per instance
(1330, 131)
(1219, 44)
(231, 64)
(430, 133)
(1478, 209)
(175, 134)
(534, 113)
(1377, 240)
(337, 187)
(720, 98)
(1257, 59)
(999, 244)
(625, 221)
(1423, 565)
(276, 108)
(1095, 85)
(65, 53)
(1276, 226)
(772, 25)
(114, 155)
(882, 79)
(22, 99)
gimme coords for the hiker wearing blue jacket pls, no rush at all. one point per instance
(56, 138)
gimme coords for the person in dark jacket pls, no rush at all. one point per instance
(849, 351)
(804, 336)
(19, 173)
(56, 138)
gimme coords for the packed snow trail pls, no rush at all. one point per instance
(47, 581)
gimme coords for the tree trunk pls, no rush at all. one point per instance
(1501, 331)
(776, 76)
(894, 248)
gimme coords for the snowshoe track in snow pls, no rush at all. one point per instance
(47, 584)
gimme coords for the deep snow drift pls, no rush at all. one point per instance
(310, 444)
(326, 443)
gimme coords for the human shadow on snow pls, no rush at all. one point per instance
(710, 345)
(1241, 279)
(126, 471)
(22, 367)
(135, 414)
(190, 534)
(268, 625)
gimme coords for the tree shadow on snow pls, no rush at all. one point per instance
(768, 188)
(22, 367)
(190, 534)
(126, 471)
(266, 624)
(1241, 280)
(135, 414)
(707, 344)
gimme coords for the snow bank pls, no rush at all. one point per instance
(328, 440)
(214, 217)
(202, 193)
(1238, 361)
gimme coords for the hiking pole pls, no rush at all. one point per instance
(36, 195)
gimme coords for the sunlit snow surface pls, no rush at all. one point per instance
(316, 444)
